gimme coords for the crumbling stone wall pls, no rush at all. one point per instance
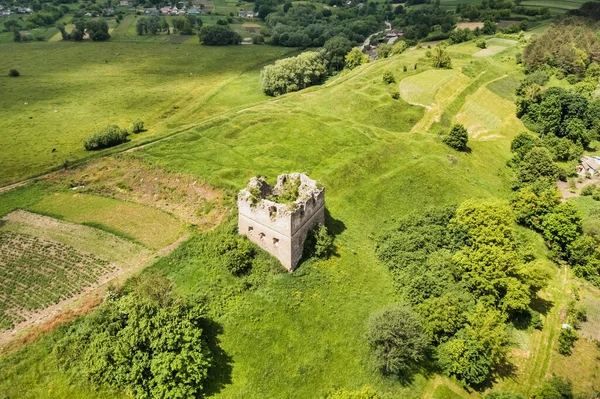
(278, 228)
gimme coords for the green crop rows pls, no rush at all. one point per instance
(35, 274)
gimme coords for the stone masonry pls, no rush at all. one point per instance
(280, 229)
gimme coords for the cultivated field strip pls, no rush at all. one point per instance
(37, 273)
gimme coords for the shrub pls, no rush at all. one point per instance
(566, 340)
(383, 51)
(137, 126)
(554, 388)
(355, 58)
(108, 137)
(388, 77)
(14, 73)
(398, 47)
(481, 43)
(588, 190)
(397, 339)
(457, 138)
(440, 58)
(404, 68)
(319, 243)
(238, 254)
(396, 95)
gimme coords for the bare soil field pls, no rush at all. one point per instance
(129, 178)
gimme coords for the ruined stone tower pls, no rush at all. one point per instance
(281, 228)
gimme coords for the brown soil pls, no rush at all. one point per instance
(130, 178)
(563, 186)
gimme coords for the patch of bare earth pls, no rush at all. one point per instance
(130, 178)
(569, 192)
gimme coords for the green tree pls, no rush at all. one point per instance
(97, 30)
(319, 243)
(355, 58)
(489, 27)
(334, 51)
(566, 340)
(383, 51)
(457, 138)
(537, 164)
(397, 339)
(388, 77)
(293, 74)
(137, 126)
(143, 341)
(554, 388)
(562, 226)
(549, 114)
(481, 43)
(522, 144)
(440, 58)
(399, 47)
(218, 36)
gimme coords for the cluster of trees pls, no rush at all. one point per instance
(457, 138)
(47, 15)
(218, 35)
(187, 25)
(495, 10)
(568, 48)
(537, 205)
(96, 29)
(294, 73)
(431, 21)
(305, 26)
(463, 274)
(142, 340)
(152, 25)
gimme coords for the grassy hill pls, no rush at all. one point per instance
(300, 335)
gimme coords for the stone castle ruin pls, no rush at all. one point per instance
(278, 218)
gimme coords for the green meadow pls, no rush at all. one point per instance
(282, 335)
(68, 90)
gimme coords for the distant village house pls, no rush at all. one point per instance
(246, 14)
(589, 166)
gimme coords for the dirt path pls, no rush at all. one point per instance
(563, 186)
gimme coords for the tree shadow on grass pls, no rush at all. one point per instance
(334, 226)
(541, 305)
(219, 374)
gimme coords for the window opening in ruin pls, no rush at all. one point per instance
(261, 236)
(275, 241)
(250, 228)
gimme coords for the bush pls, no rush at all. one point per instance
(319, 243)
(481, 43)
(238, 254)
(457, 138)
(137, 126)
(554, 388)
(396, 95)
(397, 339)
(440, 58)
(566, 340)
(388, 77)
(14, 73)
(108, 137)
(399, 47)
(383, 51)
(355, 58)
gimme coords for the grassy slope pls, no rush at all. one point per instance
(90, 85)
(300, 334)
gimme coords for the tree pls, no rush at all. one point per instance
(97, 30)
(398, 47)
(14, 73)
(537, 164)
(137, 126)
(457, 138)
(522, 144)
(473, 353)
(440, 58)
(17, 35)
(334, 51)
(388, 77)
(218, 36)
(397, 339)
(383, 51)
(319, 243)
(293, 74)
(142, 340)
(549, 114)
(562, 226)
(489, 27)
(566, 340)
(355, 58)
(481, 43)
